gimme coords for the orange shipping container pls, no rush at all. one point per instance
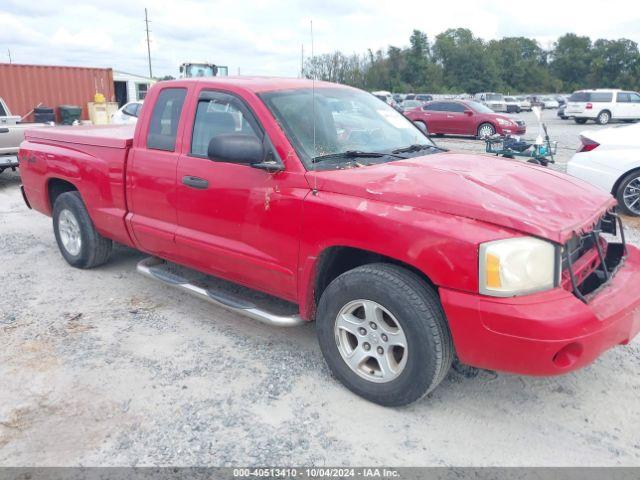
(23, 87)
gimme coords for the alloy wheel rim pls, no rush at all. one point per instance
(371, 341)
(486, 131)
(604, 117)
(69, 230)
(631, 195)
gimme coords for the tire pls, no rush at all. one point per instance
(79, 242)
(629, 186)
(404, 298)
(485, 130)
(580, 121)
(603, 117)
(420, 124)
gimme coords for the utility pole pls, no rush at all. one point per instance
(146, 21)
(302, 62)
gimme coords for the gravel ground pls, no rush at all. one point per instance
(106, 367)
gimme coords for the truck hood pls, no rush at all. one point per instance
(520, 196)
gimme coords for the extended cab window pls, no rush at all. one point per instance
(165, 118)
(218, 114)
(2, 112)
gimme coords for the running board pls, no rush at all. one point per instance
(155, 268)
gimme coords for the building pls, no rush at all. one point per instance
(129, 87)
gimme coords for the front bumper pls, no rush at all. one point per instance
(549, 333)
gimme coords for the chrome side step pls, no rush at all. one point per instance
(155, 268)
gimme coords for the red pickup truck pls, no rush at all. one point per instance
(291, 200)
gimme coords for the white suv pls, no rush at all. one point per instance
(603, 105)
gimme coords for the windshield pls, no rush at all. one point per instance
(346, 120)
(494, 97)
(479, 107)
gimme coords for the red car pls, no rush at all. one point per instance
(405, 256)
(455, 117)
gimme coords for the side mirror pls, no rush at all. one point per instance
(236, 148)
(468, 112)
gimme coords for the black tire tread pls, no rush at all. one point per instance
(620, 192)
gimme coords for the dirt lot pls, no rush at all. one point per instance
(105, 367)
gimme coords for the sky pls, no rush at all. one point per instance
(260, 37)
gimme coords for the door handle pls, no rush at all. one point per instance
(195, 182)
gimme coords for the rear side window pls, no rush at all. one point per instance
(435, 107)
(455, 107)
(2, 112)
(623, 97)
(602, 97)
(163, 126)
(579, 97)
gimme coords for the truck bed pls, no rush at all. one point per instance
(111, 136)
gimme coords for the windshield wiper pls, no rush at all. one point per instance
(416, 147)
(355, 154)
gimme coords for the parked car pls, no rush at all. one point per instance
(423, 97)
(524, 104)
(495, 101)
(127, 114)
(458, 117)
(513, 105)
(410, 104)
(561, 112)
(404, 255)
(603, 105)
(12, 130)
(549, 102)
(610, 160)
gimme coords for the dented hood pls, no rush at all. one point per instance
(520, 196)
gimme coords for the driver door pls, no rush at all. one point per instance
(235, 221)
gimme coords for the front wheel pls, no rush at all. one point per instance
(486, 130)
(628, 194)
(383, 334)
(79, 242)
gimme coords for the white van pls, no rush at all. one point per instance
(603, 105)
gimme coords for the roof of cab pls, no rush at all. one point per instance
(259, 84)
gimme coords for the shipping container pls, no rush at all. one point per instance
(24, 87)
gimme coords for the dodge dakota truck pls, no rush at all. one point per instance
(291, 201)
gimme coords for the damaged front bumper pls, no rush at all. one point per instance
(596, 307)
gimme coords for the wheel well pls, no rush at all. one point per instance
(56, 187)
(622, 177)
(605, 110)
(334, 261)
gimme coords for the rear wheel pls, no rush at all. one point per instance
(79, 242)
(603, 117)
(628, 194)
(486, 130)
(580, 121)
(383, 334)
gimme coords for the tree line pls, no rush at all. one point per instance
(458, 61)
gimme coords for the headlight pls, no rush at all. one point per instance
(505, 122)
(517, 266)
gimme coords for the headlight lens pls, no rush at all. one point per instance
(504, 122)
(517, 266)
